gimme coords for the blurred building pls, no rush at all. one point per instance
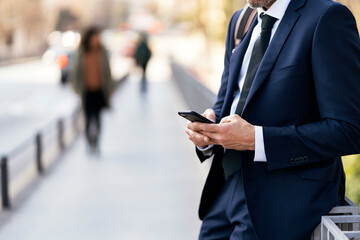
(22, 25)
(25, 24)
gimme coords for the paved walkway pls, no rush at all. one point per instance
(146, 184)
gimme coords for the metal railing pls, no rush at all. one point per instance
(332, 227)
(35, 154)
(346, 212)
(341, 219)
(196, 95)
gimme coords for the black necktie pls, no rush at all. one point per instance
(231, 161)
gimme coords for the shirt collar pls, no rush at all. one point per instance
(277, 10)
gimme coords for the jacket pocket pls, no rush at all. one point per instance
(325, 171)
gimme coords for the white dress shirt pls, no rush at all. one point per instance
(277, 10)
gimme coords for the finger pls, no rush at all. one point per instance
(228, 119)
(207, 112)
(190, 126)
(210, 114)
(191, 137)
(212, 142)
(197, 137)
(225, 120)
(188, 131)
(215, 138)
(205, 127)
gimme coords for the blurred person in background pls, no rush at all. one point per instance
(91, 79)
(142, 56)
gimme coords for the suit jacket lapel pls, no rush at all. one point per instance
(236, 60)
(288, 22)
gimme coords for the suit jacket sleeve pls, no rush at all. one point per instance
(224, 79)
(335, 64)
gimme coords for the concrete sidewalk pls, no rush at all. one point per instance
(146, 184)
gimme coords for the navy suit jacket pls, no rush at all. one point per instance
(306, 95)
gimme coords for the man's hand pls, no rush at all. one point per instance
(197, 137)
(232, 132)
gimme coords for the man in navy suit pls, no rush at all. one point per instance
(288, 108)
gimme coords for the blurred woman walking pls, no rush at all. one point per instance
(91, 79)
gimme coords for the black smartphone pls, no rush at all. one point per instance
(193, 116)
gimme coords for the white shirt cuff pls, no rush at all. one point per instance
(207, 151)
(259, 145)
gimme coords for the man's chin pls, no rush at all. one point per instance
(258, 3)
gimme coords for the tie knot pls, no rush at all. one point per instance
(267, 21)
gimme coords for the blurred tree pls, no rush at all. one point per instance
(352, 170)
